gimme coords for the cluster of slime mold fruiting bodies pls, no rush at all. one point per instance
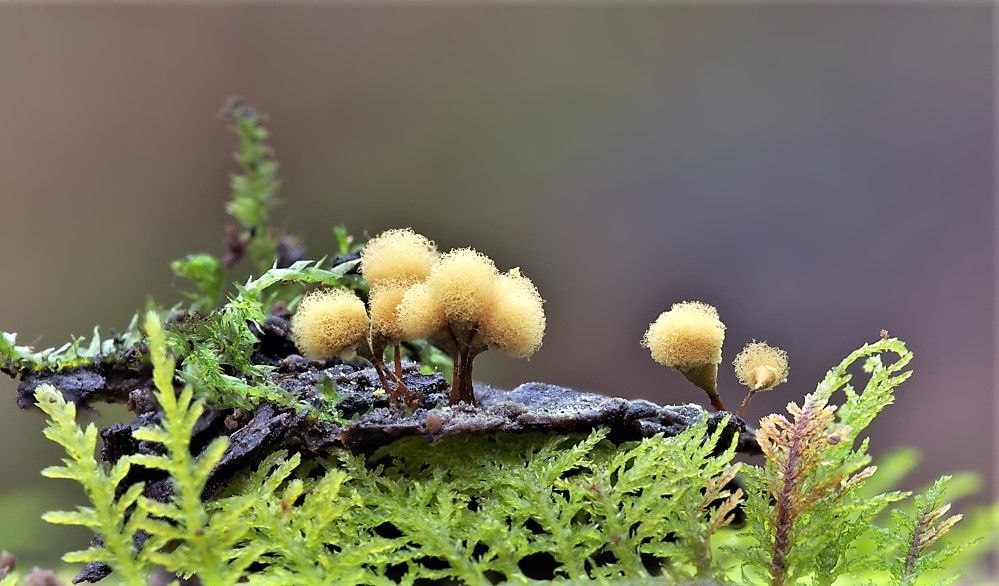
(461, 302)
(458, 300)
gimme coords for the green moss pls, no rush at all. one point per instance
(473, 509)
(217, 347)
(477, 507)
(78, 351)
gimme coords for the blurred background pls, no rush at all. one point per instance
(816, 172)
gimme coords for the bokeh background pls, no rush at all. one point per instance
(816, 172)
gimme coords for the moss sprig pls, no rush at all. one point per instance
(917, 535)
(806, 507)
(108, 514)
(216, 349)
(254, 189)
(183, 537)
(16, 360)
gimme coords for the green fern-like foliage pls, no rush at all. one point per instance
(965, 542)
(488, 508)
(917, 534)
(184, 538)
(216, 348)
(806, 505)
(255, 188)
(78, 351)
(107, 514)
(468, 509)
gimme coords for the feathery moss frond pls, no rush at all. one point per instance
(16, 359)
(253, 197)
(471, 509)
(254, 190)
(216, 348)
(805, 504)
(503, 507)
(184, 537)
(914, 534)
(108, 514)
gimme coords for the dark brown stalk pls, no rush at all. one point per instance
(465, 352)
(457, 379)
(745, 403)
(380, 369)
(402, 394)
(398, 362)
(914, 550)
(461, 389)
(466, 393)
(374, 352)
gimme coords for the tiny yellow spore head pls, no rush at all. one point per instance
(418, 314)
(760, 366)
(383, 303)
(399, 255)
(463, 281)
(688, 336)
(328, 322)
(514, 322)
